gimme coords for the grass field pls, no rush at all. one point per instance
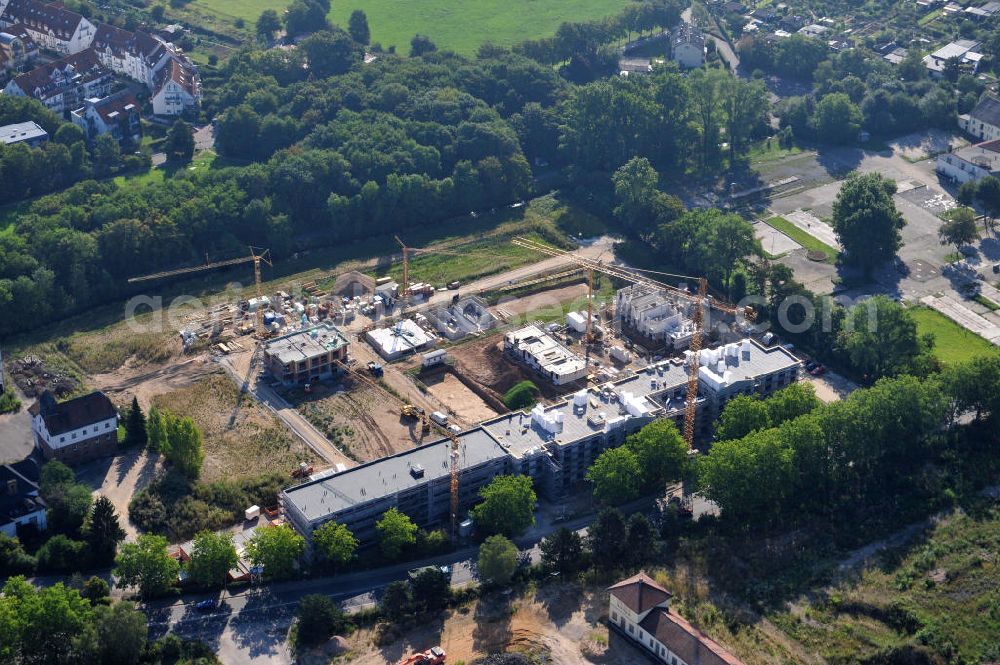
(811, 243)
(952, 342)
(937, 595)
(459, 25)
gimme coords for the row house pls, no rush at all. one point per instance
(117, 115)
(50, 25)
(137, 55)
(17, 49)
(64, 84)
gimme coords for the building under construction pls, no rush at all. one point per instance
(553, 445)
(306, 355)
(544, 354)
(653, 315)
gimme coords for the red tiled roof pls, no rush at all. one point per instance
(639, 593)
(121, 42)
(115, 104)
(43, 17)
(689, 643)
(40, 78)
(180, 73)
(18, 30)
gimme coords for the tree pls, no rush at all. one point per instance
(68, 134)
(746, 105)
(135, 426)
(789, 403)
(615, 475)
(866, 220)
(156, 431)
(335, 543)
(562, 551)
(635, 193)
(68, 501)
(96, 590)
(640, 540)
(305, 16)
(967, 192)
(180, 141)
(974, 387)
(421, 45)
(184, 449)
(212, 557)
(103, 531)
(430, 589)
(268, 24)
(277, 549)
(706, 97)
(331, 52)
(121, 633)
(741, 415)
(396, 533)
(13, 559)
(51, 624)
(912, 67)
(106, 151)
(880, 338)
(62, 554)
(837, 119)
(396, 602)
(661, 452)
(319, 618)
(607, 539)
(988, 193)
(960, 229)
(507, 506)
(497, 560)
(357, 27)
(145, 564)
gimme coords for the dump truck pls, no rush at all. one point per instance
(433, 656)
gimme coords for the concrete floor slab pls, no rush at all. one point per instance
(773, 241)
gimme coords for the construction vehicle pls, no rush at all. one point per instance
(433, 656)
(699, 298)
(375, 369)
(411, 411)
(302, 470)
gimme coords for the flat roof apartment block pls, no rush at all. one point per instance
(305, 355)
(554, 445)
(400, 340)
(545, 355)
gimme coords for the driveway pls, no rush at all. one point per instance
(16, 439)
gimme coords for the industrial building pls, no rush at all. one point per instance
(542, 353)
(305, 355)
(466, 316)
(400, 340)
(655, 316)
(553, 445)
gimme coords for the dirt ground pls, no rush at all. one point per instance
(831, 387)
(147, 382)
(559, 624)
(251, 443)
(553, 298)
(119, 478)
(482, 360)
(465, 404)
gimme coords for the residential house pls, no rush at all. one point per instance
(814, 30)
(792, 23)
(117, 114)
(28, 133)
(77, 430)
(688, 46)
(971, 162)
(963, 51)
(17, 49)
(137, 55)
(639, 609)
(176, 87)
(63, 85)
(20, 505)
(51, 25)
(983, 121)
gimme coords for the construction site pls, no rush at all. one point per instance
(382, 391)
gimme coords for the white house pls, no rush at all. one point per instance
(983, 122)
(971, 162)
(52, 26)
(688, 46)
(639, 610)
(176, 88)
(117, 114)
(20, 505)
(77, 430)
(137, 55)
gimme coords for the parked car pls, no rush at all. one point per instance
(205, 605)
(811, 365)
(817, 370)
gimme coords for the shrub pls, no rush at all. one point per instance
(521, 396)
